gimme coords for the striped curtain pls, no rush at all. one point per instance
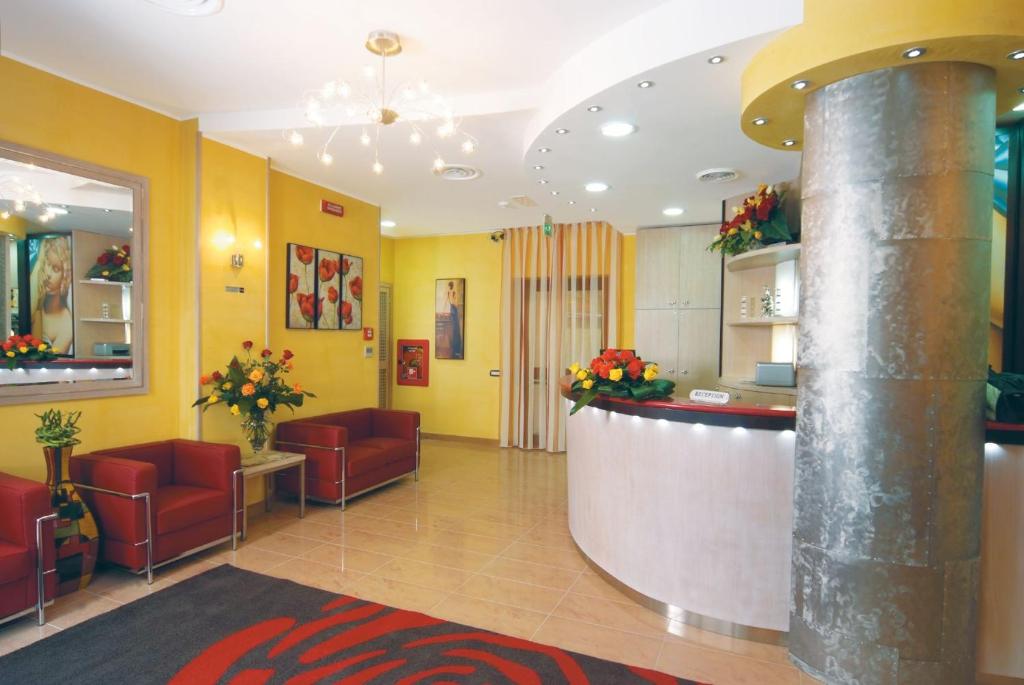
(559, 304)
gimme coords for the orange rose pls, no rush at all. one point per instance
(248, 389)
(297, 388)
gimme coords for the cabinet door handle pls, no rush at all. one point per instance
(686, 302)
(685, 372)
(672, 302)
(671, 372)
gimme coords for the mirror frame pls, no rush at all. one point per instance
(138, 384)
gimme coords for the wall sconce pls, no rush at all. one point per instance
(237, 260)
(498, 236)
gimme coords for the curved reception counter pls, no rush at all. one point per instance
(690, 508)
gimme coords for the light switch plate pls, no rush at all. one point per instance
(368, 351)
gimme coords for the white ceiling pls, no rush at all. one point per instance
(515, 71)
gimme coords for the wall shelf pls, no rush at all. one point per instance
(768, 321)
(766, 256)
(99, 281)
(99, 320)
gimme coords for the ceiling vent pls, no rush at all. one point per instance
(721, 175)
(517, 201)
(457, 172)
(190, 8)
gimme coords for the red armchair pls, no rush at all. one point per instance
(28, 579)
(351, 452)
(161, 501)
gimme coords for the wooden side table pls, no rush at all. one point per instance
(266, 464)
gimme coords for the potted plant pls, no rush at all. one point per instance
(56, 433)
(253, 389)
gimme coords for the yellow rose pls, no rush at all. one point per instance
(227, 385)
(746, 226)
(758, 235)
(581, 374)
(733, 231)
(574, 369)
(262, 403)
(651, 372)
(588, 384)
(256, 376)
(234, 409)
(42, 347)
(54, 350)
(105, 273)
(23, 349)
(213, 399)
(10, 353)
(615, 375)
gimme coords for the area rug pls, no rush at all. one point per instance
(233, 627)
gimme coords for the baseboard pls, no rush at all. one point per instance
(488, 442)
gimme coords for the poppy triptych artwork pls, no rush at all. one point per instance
(324, 289)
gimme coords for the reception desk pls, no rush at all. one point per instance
(689, 507)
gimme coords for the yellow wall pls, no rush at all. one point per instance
(462, 399)
(627, 292)
(387, 260)
(49, 113)
(328, 363)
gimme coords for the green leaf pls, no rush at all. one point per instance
(584, 400)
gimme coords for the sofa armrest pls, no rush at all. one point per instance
(119, 517)
(393, 423)
(22, 501)
(296, 436)
(205, 464)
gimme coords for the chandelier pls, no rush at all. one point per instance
(17, 195)
(378, 105)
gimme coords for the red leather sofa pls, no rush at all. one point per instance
(160, 501)
(26, 526)
(350, 452)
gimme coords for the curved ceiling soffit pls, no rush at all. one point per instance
(667, 33)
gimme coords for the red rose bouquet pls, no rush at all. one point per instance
(757, 223)
(618, 373)
(113, 264)
(26, 348)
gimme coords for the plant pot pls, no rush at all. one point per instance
(77, 537)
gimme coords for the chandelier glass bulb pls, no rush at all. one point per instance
(326, 158)
(19, 206)
(415, 138)
(365, 138)
(295, 138)
(438, 163)
(378, 168)
(5, 215)
(468, 146)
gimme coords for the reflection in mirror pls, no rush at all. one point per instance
(69, 276)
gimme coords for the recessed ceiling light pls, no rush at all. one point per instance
(672, 211)
(789, 142)
(617, 129)
(759, 121)
(107, 211)
(572, 202)
(914, 53)
(561, 131)
(543, 149)
(593, 209)
(594, 108)
(596, 187)
(1019, 108)
(554, 192)
(717, 59)
(387, 223)
(799, 85)
(1016, 55)
(190, 8)
(1021, 90)
(645, 84)
(543, 181)
(538, 167)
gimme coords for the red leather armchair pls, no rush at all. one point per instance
(350, 452)
(27, 577)
(157, 502)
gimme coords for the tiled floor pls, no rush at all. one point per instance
(482, 539)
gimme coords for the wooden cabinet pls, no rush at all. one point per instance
(678, 303)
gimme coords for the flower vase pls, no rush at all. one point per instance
(77, 537)
(257, 427)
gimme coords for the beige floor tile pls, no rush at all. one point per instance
(283, 543)
(596, 586)
(549, 538)
(423, 574)
(255, 559)
(631, 618)
(79, 606)
(480, 613)
(23, 632)
(690, 661)
(372, 542)
(313, 530)
(552, 556)
(315, 574)
(395, 593)
(607, 643)
(468, 541)
(461, 559)
(511, 592)
(121, 585)
(348, 558)
(525, 571)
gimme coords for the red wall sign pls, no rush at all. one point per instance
(413, 362)
(333, 208)
(367, 333)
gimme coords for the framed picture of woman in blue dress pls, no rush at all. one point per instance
(450, 318)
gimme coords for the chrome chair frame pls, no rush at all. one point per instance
(40, 605)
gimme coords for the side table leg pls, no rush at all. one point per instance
(302, 490)
(268, 491)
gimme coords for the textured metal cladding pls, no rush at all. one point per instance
(893, 350)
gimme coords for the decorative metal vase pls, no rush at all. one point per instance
(77, 537)
(257, 428)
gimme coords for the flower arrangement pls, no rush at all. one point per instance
(757, 223)
(26, 348)
(113, 264)
(254, 389)
(618, 373)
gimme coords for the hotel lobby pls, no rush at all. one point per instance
(665, 341)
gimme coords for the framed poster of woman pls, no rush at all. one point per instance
(450, 318)
(50, 312)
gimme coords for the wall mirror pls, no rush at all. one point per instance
(73, 266)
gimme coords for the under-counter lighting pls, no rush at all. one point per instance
(799, 85)
(914, 53)
(789, 142)
(672, 211)
(594, 108)
(717, 59)
(617, 129)
(645, 84)
(1016, 55)
(387, 223)
(759, 121)
(596, 187)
